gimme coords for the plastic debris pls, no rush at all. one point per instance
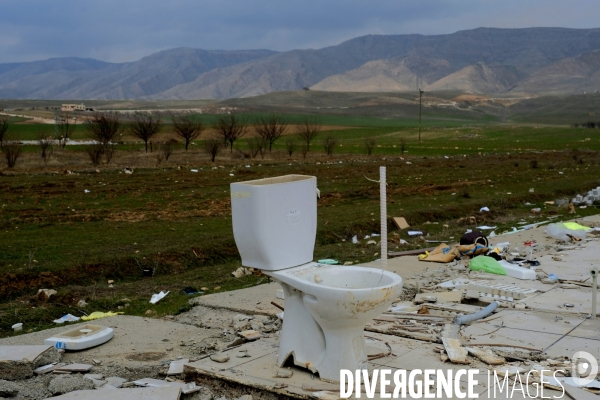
(17, 327)
(564, 231)
(328, 261)
(482, 209)
(99, 314)
(158, 297)
(193, 170)
(354, 239)
(414, 233)
(86, 191)
(66, 318)
(486, 264)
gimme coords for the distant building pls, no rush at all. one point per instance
(75, 107)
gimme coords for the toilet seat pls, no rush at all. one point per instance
(326, 309)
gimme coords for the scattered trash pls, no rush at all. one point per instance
(17, 327)
(86, 191)
(567, 231)
(328, 261)
(485, 227)
(47, 292)
(486, 264)
(553, 278)
(414, 233)
(191, 290)
(193, 170)
(128, 170)
(536, 210)
(81, 303)
(99, 314)
(354, 239)
(482, 209)
(158, 297)
(401, 222)
(66, 318)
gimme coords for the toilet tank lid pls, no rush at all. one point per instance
(276, 180)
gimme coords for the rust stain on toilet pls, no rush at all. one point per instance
(376, 298)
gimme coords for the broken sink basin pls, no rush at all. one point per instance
(81, 338)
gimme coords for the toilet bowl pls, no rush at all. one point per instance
(326, 306)
(326, 309)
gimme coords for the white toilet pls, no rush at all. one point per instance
(326, 306)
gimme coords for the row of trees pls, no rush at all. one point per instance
(104, 128)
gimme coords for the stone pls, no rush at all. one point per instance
(115, 381)
(98, 377)
(219, 357)
(8, 389)
(284, 373)
(69, 383)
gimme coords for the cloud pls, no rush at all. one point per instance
(127, 30)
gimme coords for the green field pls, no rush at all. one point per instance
(74, 231)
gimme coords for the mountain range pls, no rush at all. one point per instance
(481, 61)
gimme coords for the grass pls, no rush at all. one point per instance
(54, 234)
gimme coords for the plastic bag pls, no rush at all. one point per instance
(486, 264)
(561, 231)
(99, 314)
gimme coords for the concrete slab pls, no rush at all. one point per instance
(475, 334)
(588, 329)
(22, 353)
(137, 341)
(555, 299)
(252, 300)
(163, 393)
(532, 321)
(568, 346)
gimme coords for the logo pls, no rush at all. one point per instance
(584, 368)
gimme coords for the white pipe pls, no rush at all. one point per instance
(383, 200)
(465, 319)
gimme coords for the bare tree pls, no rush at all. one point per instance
(167, 148)
(145, 126)
(104, 127)
(212, 147)
(186, 128)
(231, 128)
(369, 144)
(109, 151)
(329, 144)
(256, 145)
(290, 146)
(270, 129)
(3, 128)
(95, 152)
(65, 129)
(307, 131)
(12, 152)
(45, 146)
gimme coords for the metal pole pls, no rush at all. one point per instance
(594, 291)
(420, 98)
(383, 204)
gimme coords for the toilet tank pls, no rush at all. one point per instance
(275, 221)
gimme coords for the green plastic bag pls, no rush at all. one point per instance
(486, 264)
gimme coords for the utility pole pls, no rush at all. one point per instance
(420, 98)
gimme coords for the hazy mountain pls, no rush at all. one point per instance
(483, 60)
(570, 75)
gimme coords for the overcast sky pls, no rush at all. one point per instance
(127, 30)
